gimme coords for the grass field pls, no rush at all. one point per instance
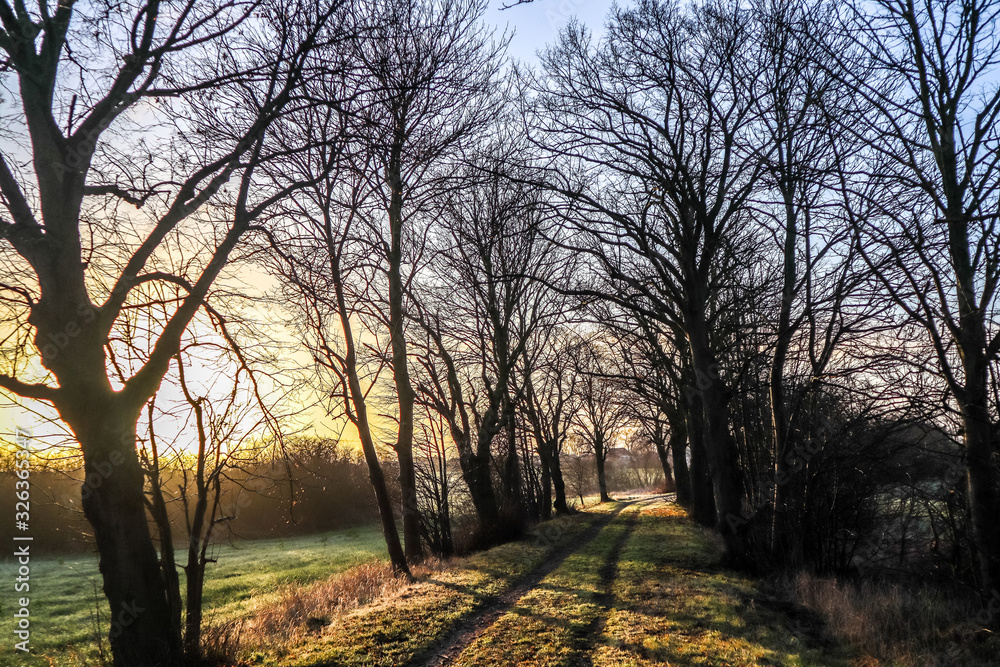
(619, 584)
(622, 584)
(66, 597)
(647, 589)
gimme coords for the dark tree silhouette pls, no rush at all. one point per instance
(491, 252)
(74, 262)
(427, 85)
(927, 75)
(319, 251)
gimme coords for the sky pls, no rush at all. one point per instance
(537, 23)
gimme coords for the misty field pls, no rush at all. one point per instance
(66, 591)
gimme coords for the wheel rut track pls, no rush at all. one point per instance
(606, 598)
(446, 650)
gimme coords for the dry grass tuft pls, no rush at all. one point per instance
(913, 625)
(222, 642)
(310, 608)
(301, 610)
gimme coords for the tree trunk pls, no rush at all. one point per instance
(143, 631)
(360, 419)
(512, 472)
(400, 368)
(668, 474)
(195, 569)
(720, 447)
(444, 507)
(702, 495)
(659, 441)
(479, 480)
(984, 491)
(168, 565)
(411, 511)
(384, 502)
(545, 499)
(601, 456)
(478, 476)
(973, 399)
(678, 447)
(558, 483)
(781, 527)
(195, 590)
(545, 453)
(727, 481)
(531, 489)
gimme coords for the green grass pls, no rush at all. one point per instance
(393, 631)
(674, 604)
(64, 607)
(669, 602)
(551, 624)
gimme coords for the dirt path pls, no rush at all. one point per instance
(466, 631)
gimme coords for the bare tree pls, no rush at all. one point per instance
(550, 403)
(435, 479)
(648, 384)
(89, 78)
(654, 131)
(600, 412)
(819, 307)
(429, 83)
(222, 423)
(319, 252)
(927, 75)
(197, 431)
(492, 252)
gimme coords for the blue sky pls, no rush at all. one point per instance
(536, 23)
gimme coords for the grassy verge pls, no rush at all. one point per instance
(674, 605)
(905, 624)
(66, 593)
(647, 590)
(667, 602)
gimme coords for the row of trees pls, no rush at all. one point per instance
(801, 180)
(764, 235)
